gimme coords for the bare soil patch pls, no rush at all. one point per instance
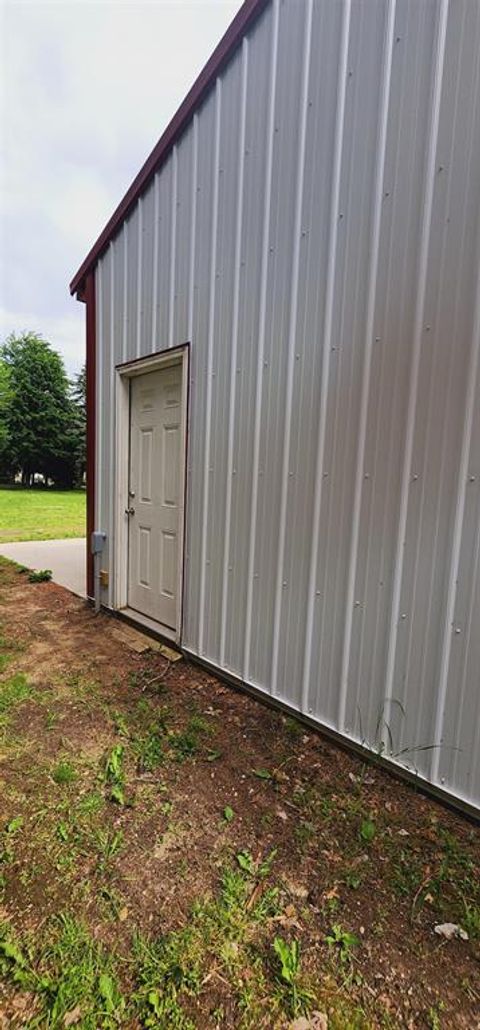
(167, 842)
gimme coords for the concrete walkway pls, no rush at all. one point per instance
(65, 558)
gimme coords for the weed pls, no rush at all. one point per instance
(114, 774)
(471, 918)
(13, 692)
(70, 975)
(120, 724)
(50, 720)
(262, 774)
(433, 1016)
(64, 773)
(299, 999)
(367, 830)
(246, 862)
(166, 968)
(108, 843)
(293, 728)
(185, 744)
(343, 941)
(304, 834)
(228, 814)
(149, 751)
(90, 804)
(42, 576)
(14, 824)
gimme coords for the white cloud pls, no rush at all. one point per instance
(88, 87)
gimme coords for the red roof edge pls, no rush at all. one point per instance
(245, 17)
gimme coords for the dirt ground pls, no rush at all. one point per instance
(175, 854)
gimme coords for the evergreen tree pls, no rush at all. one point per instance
(40, 416)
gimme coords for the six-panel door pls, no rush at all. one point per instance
(156, 435)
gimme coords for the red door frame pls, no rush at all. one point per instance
(91, 419)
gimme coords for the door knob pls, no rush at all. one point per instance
(130, 511)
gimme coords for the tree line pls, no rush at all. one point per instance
(42, 415)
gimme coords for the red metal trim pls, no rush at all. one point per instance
(250, 10)
(91, 420)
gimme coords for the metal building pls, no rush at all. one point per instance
(283, 333)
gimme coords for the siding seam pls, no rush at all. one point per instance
(414, 372)
(326, 342)
(261, 338)
(381, 144)
(210, 344)
(234, 345)
(307, 42)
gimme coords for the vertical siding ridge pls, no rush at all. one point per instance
(368, 346)
(307, 46)
(210, 342)
(156, 234)
(261, 336)
(326, 342)
(125, 292)
(234, 343)
(476, 739)
(139, 277)
(99, 399)
(415, 365)
(112, 448)
(457, 537)
(173, 244)
(191, 270)
(440, 438)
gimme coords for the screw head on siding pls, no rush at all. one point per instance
(457, 630)
(471, 479)
(403, 615)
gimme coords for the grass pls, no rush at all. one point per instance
(41, 514)
(185, 859)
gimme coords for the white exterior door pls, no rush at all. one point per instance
(155, 493)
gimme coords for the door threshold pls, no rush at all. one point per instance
(157, 629)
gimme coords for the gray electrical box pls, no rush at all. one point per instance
(97, 541)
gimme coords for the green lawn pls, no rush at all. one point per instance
(40, 514)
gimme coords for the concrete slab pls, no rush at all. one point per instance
(65, 558)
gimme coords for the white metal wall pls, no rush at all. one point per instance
(315, 235)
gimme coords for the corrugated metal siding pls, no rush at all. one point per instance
(315, 235)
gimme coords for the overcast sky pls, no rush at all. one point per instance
(87, 87)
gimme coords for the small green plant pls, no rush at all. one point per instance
(109, 843)
(433, 1017)
(262, 774)
(114, 774)
(149, 751)
(288, 954)
(13, 691)
(471, 919)
(42, 576)
(185, 744)
(69, 974)
(228, 814)
(343, 941)
(246, 862)
(367, 830)
(15, 824)
(120, 724)
(64, 773)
